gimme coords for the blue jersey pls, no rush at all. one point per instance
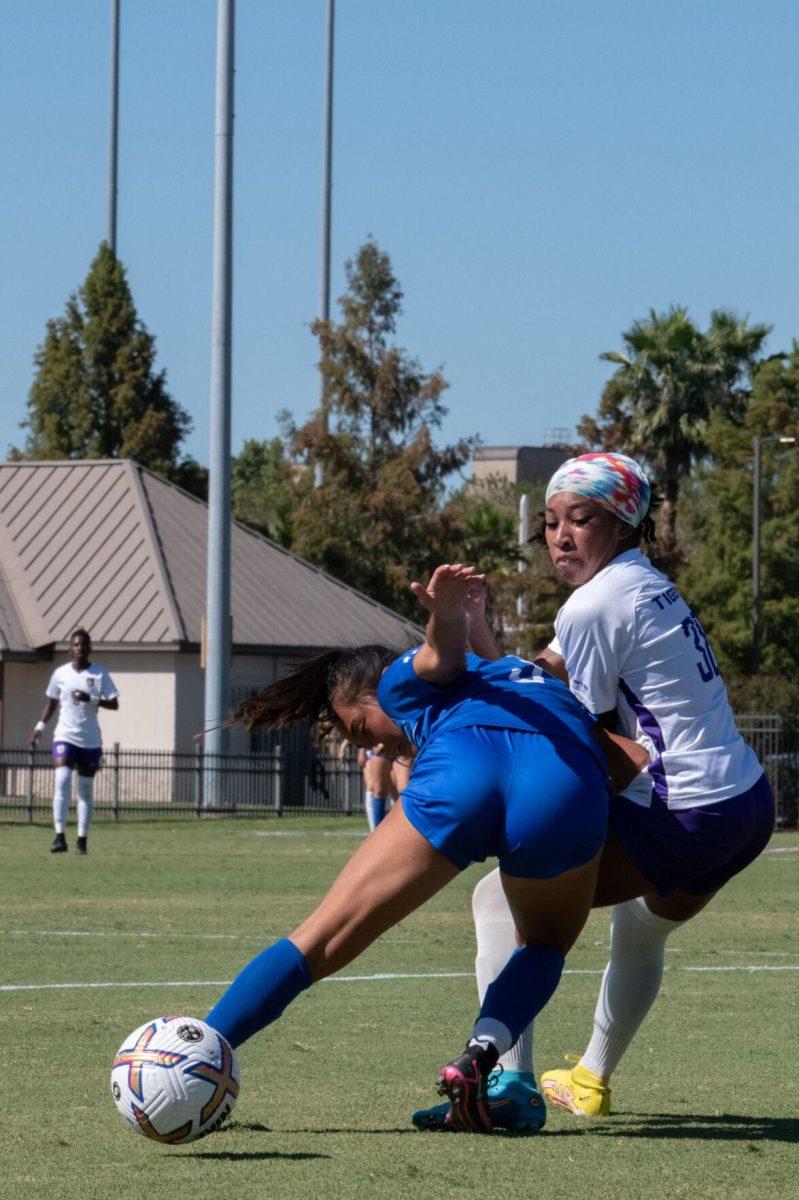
(508, 693)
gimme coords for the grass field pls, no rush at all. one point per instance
(159, 916)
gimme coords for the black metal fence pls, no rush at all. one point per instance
(775, 738)
(288, 773)
(156, 783)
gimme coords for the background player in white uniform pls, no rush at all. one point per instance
(635, 654)
(77, 690)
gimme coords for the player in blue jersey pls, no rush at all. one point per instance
(636, 655)
(507, 763)
(378, 789)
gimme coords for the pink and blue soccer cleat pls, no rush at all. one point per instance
(514, 1103)
(465, 1082)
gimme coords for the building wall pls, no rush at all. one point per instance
(248, 671)
(23, 700)
(519, 464)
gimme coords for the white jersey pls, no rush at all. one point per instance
(77, 719)
(630, 642)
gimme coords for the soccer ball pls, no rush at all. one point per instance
(175, 1079)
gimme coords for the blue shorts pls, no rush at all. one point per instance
(85, 759)
(537, 803)
(695, 849)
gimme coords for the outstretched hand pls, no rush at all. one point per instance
(449, 590)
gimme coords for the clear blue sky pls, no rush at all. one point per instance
(541, 174)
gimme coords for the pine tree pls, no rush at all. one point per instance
(96, 393)
(377, 520)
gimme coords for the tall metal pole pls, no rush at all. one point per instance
(217, 674)
(114, 129)
(327, 198)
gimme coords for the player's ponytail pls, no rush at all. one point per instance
(307, 691)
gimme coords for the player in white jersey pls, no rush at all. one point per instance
(77, 690)
(636, 655)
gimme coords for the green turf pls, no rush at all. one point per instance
(706, 1100)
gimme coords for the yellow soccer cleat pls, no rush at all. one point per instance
(580, 1090)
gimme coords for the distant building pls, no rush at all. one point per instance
(109, 546)
(518, 464)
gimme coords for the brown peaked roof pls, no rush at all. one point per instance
(109, 545)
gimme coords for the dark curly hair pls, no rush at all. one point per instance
(307, 691)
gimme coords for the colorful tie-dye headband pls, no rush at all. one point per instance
(615, 481)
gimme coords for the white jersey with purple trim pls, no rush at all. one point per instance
(77, 720)
(631, 642)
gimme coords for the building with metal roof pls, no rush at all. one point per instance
(107, 545)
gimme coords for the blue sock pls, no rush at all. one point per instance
(522, 988)
(259, 993)
(375, 810)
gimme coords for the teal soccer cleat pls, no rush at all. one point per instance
(514, 1103)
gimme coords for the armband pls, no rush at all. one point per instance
(39, 727)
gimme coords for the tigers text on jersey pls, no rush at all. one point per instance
(631, 642)
(506, 694)
(77, 719)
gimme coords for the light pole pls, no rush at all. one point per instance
(218, 635)
(327, 196)
(113, 136)
(759, 442)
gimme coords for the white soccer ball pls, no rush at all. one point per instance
(175, 1079)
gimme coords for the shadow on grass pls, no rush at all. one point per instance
(713, 1127)
(251, 1155)
(350, 1129)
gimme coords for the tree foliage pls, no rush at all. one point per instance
(96, 393)
(377, 520)
(671, 379)
(717, 525)
(263, 489)
(485, 522)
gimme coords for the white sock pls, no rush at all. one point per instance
(85, 804)
(488, 1032)
(630, 984)
(61, 795)
(496, 941)
(375, 809)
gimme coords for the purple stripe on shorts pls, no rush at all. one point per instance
(695, 849)
(651, 728)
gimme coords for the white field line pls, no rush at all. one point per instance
(112, 933)
(362, 833)
(749, 969)
(265, 935)
(357, 833)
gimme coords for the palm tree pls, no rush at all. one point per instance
(669, 380)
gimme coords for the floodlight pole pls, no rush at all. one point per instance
(218, 633)
(114, 129)
(756, 606)
(327, 199)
